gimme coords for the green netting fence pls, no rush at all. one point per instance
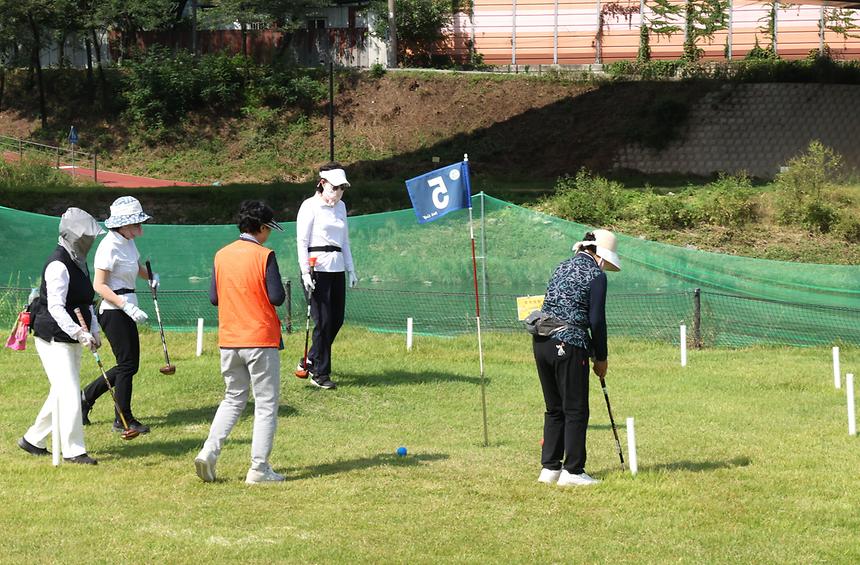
(424, 272)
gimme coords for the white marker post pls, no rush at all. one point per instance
(683, 345)
(408, 334)
(837, 374)
(199, 337)
(631, 447)
(55, 429)
(849, 389)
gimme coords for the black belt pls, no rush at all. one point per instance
(324, 248)
(124, 291)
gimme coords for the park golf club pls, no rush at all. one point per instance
(168, 369)
(612, 421)
(127, 433)
(303, 372)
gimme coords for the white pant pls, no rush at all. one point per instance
(257, 368)
(62, 362)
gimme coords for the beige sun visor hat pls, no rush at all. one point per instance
(606, 244)
(335, 177)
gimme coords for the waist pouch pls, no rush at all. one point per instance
(542, 324)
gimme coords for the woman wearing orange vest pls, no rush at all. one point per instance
(246, 287)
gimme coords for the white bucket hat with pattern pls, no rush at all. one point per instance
(124, 211)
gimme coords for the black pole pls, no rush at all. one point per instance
(697, 318)
(331, 107)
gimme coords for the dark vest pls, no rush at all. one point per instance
(80, 295)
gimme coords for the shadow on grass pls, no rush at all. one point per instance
(699, 466)
(395, 379)
(345, 466)
(144, 447)
(204, 415)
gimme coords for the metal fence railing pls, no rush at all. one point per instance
(60, 155)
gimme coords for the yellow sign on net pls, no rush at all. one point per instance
(527, 304)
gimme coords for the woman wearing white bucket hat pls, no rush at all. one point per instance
(575, 296)
(117, 264)
(322, 232)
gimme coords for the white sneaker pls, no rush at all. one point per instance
(268, 476)
(205, 465)
(568, 479)
(548, 476)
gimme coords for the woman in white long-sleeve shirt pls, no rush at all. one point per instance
(59, 338)
(322, 232)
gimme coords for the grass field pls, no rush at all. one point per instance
(744, 458)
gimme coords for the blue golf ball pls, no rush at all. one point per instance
(401, 451)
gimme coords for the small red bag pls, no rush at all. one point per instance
(18, 339)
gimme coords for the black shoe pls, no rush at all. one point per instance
(323, 381)
(85, 411)
(30, 448)
(82, 459)
(132, 425)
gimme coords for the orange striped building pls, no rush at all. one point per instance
(546, 32)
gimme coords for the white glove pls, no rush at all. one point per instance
(353, 279)
(308, 282)
(134, 312)
(155, 281)
(87, 340)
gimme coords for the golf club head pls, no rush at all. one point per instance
(168, 369)
(301, 374)
(129, 434)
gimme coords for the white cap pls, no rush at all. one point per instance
(335, 177)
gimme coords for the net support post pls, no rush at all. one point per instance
(408, 334)
(199, 337)
(697, 318)
(837, 370)
(683, 345)
(288, 323)
(631, 447)
(849, 389)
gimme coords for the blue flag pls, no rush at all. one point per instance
(444, 190)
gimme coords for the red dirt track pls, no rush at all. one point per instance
(111, 179)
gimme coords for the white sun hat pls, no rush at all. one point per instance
(124, 211)
(335, 177)
(606, 244)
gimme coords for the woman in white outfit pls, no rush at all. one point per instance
(60, 339)
(117, 264)
(322, 232)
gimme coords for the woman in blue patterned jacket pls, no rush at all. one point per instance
(576, 295)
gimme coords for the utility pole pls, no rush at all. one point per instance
(194, 27)
(392, 36)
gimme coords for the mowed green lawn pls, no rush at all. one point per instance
(744, 457)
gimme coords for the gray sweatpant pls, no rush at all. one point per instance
(244, 370)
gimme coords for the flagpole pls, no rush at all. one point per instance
(477, 301)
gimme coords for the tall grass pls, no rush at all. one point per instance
(743, 455)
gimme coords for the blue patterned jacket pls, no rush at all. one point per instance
(576, 293)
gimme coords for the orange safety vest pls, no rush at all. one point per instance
(246, 318)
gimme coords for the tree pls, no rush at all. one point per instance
(421, 25)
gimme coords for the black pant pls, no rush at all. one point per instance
(121, 332)
(328, 303)
(563, 371)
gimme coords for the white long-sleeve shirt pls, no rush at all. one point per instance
(57, 288)
(319, 224)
